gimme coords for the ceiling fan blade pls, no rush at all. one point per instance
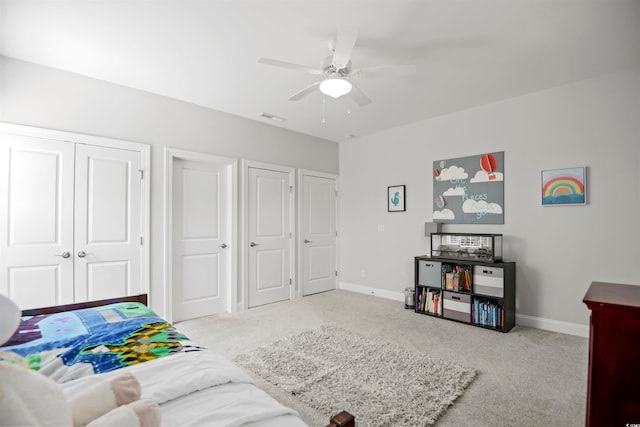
(386, 71)
(344, 46)
(291, 66)
(358, 96)
(304, 92)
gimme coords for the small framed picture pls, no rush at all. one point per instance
(396, 198)
(562, 187)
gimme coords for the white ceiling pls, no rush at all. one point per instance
(467, 52)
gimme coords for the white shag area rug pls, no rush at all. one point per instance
(331, 370)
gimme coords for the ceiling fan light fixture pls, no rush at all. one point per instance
(335, 87)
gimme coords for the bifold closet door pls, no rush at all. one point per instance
(107, 229)
(70, 221)
(36, 220)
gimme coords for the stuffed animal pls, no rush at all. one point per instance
(28, 398)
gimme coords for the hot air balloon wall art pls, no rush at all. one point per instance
(561, 187)
(469, 190)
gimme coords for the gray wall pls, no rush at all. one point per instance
(39, 96)
(558, 250)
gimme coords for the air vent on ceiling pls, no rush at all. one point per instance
(271, 117)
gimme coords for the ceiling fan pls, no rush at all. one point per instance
(337, 74)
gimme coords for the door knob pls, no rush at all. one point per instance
(223, 246)
(64, 254)
(82, 254)
(307, 241)
(252, 244)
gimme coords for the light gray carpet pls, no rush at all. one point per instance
(331, 369)
(527, 378)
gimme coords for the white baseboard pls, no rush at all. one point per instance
(553, 325)
(396, 296)
(521, 319)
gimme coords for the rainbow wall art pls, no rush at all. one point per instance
(564, 187)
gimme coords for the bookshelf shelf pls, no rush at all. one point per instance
(476, 292)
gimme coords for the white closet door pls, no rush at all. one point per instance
(36, 220)
(70, 221)
(318, 225)
(107, 247)
(201, 238)
(269, 235)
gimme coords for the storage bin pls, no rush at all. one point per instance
(456, 306)
(488, 281)
(430, 273)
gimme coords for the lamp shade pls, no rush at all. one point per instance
(335, 87)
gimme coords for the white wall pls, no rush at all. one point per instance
(39, 96)
(558, 250)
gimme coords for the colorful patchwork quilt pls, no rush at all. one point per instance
(74, 344)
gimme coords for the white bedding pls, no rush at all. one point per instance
(201, 389)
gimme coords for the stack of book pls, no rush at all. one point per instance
(457, 278)
(487, 313)
(429, 301)
(422, 298)
(433, 301)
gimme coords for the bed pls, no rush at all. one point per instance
(78, 345)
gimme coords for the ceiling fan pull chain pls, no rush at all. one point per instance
(323, 101)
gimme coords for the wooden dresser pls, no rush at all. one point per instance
(613, 393)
